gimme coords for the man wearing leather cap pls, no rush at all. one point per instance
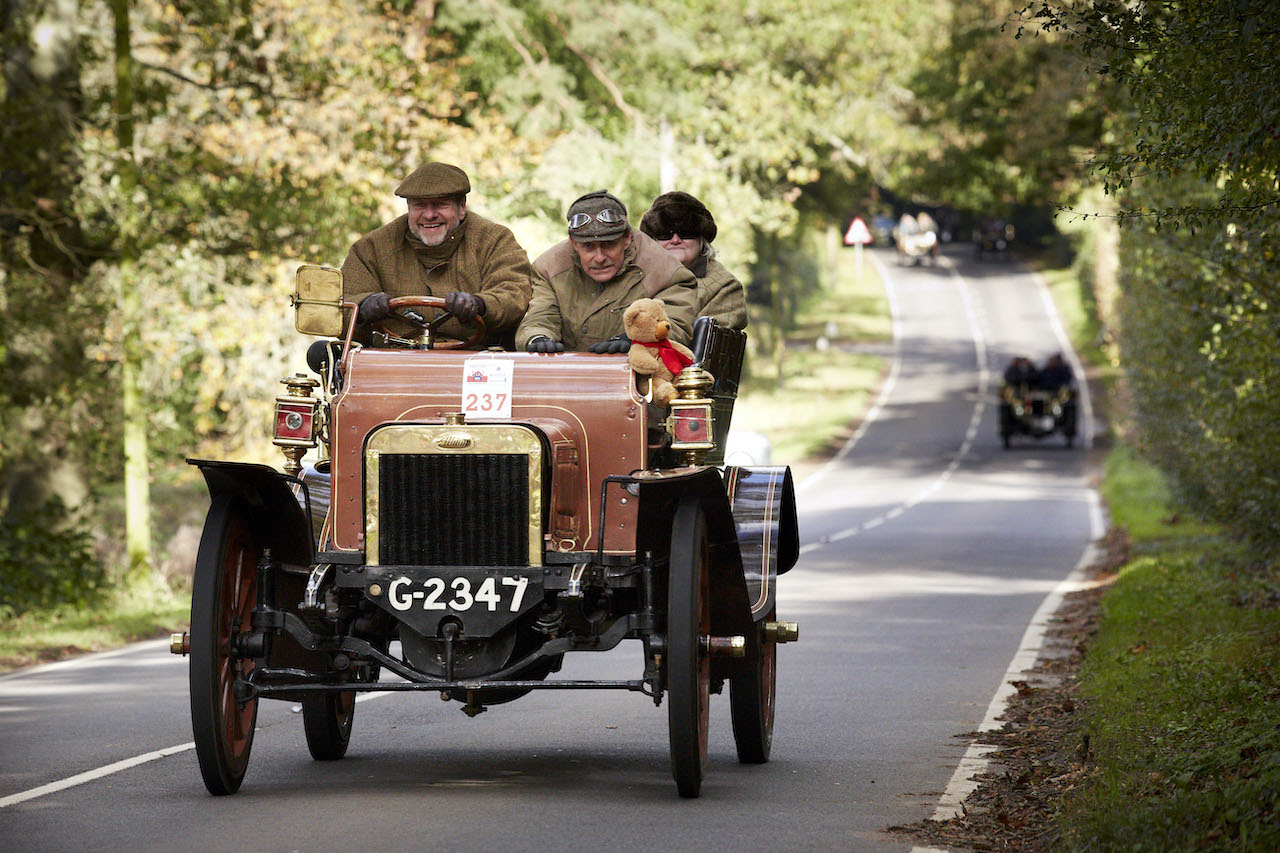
(582, 285)
(685, 228)
(439, 248)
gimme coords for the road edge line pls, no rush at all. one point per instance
(975, 760)
(885, 389)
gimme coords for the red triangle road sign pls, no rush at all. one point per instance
(858, 234)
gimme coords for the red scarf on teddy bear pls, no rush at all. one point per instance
(675, 360)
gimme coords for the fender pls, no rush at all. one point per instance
(659, 493)
(763, 503)
(275, 510)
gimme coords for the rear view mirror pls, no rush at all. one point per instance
(317, 301)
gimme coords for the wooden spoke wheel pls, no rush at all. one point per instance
(327, 718)
(751, 702)
(224, 593)
(688, 667)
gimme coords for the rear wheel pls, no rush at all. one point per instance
(688, 666)
(751, 701)
(327, 719)
(223, 595)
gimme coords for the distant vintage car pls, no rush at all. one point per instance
(474, 517)
(992, 238)
(1037, 412)
(916, 239)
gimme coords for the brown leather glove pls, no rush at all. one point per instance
(464, 306)
(373, 307)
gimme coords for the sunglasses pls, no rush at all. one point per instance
(662, 238)
(608, 216)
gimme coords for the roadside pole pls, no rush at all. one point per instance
(857, 236)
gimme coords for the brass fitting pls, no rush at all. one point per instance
(296, 427)
(781, 632)
(725, 647)
(690, 421)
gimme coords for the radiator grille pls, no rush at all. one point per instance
(453, 509)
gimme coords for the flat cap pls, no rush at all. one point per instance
(678, 213)
(597, 216)
(434, 180)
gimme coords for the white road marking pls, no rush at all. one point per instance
(975, 760)
(890, 381)
(1069, 353)
(91, 775)
(975, 418)
(115, 767)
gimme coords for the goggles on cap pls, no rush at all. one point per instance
(608, 216)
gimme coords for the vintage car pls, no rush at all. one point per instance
(474, 516)
(992, 238)
(1037, 412)
(916, 239)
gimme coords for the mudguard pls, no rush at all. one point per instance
(659, 492)
(763, 503)
(276, 514)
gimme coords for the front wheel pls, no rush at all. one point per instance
(223, 594)
(751, 702)
(688, 666)
(327, 719)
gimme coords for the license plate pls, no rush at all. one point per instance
(458, 594)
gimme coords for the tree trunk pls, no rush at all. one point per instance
(43, 257)
(137, 480)
(779, 313)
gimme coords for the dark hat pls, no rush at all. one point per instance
(680, 213)
(597, 216)
(434, 180)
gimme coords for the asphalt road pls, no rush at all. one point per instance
(927, 550)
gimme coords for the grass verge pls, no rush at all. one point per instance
(1182, 688)
(122, 618)
(826, 381)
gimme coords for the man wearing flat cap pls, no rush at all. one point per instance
(685, 228)
(438, 248)
(582, 285)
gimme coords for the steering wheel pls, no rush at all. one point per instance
(430, 326)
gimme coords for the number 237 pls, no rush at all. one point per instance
(484, 402)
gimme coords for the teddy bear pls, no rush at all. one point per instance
(652, 355)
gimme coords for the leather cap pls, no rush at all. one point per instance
(434, 180)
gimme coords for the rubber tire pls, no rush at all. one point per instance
(327, 719)
(752, 700)
(688, 666)
(223, 595)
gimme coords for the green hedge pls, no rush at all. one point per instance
(1201, 340)
(46, 562)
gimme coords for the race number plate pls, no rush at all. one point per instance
(486, 387)
(482, 599)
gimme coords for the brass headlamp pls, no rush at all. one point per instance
(297, 414)
(690, 421)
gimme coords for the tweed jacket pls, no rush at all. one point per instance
(481, 257)
(720, 294)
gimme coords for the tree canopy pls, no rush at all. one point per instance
(266, 133)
